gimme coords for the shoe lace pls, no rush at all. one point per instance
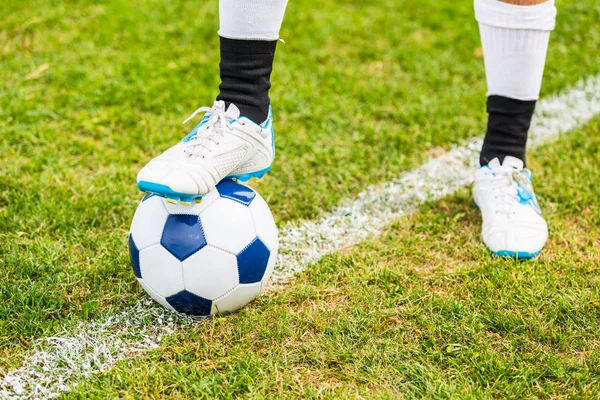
(211, 131)
(503, 183)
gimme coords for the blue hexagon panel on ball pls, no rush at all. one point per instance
(235, 191)
(211, 257)
(183, 235)
(188, 303)
(253, 261)
(134, 256)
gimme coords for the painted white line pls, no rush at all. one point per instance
(60, 362)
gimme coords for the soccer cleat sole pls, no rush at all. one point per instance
(169, 194)
(246, 177)
(186, 199)
(519, 255)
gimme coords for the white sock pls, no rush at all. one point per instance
(515, 41)
(251, 19)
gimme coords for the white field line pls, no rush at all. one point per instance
(60, 362)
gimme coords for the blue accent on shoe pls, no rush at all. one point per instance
(186, 199)
(246, 177)
(183, 235)
(194, 131)
(134, 256)
(524, 195)
(190, 304)
(164, 190)
(253, 261)
(273, 140)
(521, 255)
(527, 197)
(236, 191)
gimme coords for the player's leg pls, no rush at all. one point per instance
(235, 137)
(514, 35)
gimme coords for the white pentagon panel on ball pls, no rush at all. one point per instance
(161, 270)
(228, 225)
(270, 268)
(194, 208)
(264, 222)
(148, 222)
(210, 273)
(157, 297)
(237, 298)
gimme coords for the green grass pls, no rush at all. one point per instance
(89, 91)
(423, 311)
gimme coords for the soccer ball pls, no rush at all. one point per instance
(208, 258)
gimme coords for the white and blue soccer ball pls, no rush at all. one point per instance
(208, 258)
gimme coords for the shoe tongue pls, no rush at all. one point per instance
(509, 162)
(232, 112)
(513, 162)
(494, 164)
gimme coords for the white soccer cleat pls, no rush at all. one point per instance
(513, 225)
(223, 145)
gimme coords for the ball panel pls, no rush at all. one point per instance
(134, 256)
(270, 268)
(161, 271)
(264, 222)
(210, 273)
(183, 235)
(148, 222)
(157, 297)
(209, 257)
(190, 304)
(236, 191)
(237, 298)
(194, 208)
(228, 225)
(252, 262)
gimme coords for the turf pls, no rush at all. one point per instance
(89, 91)
(422, 312)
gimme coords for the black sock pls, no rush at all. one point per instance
(508, 124)
(246, 67)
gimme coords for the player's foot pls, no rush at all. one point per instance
(513, 225)
(223, 145)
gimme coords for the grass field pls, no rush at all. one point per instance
(363, 91)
